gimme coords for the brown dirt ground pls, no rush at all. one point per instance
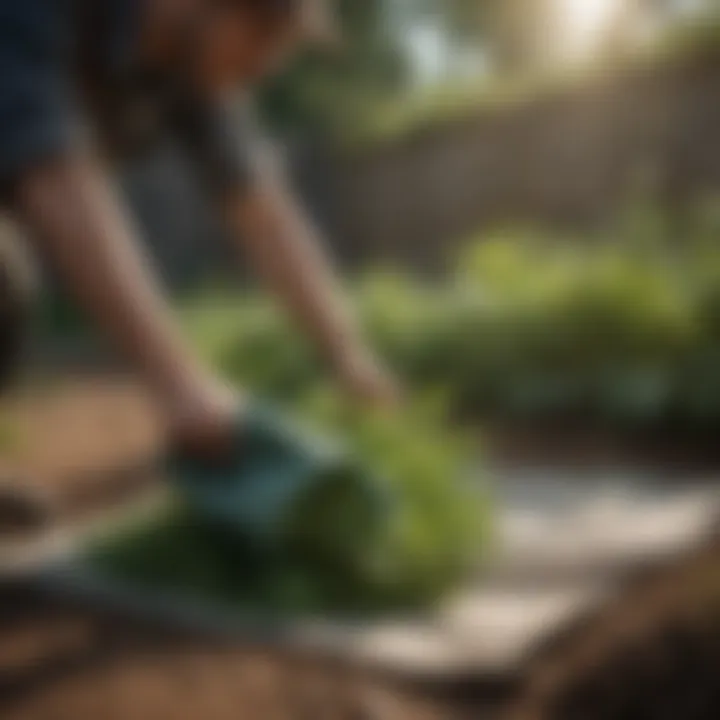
(64, 663)
(81, 443)
(566, 445)
(652, 654)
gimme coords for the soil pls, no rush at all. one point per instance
(59, 662)
(561, 445)
(653, 654)
(77, 446)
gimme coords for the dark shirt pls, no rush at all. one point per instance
(68, 69)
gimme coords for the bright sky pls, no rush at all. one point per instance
(578, 24)
(577, 28)
(581, 24)
(428, 51)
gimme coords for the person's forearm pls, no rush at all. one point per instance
(285, 249)
(79, 226)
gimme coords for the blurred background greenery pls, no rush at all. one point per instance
(530, 327)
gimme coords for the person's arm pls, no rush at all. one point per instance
(287, 252)
(80, 227)
(56, 185)
(267, 224)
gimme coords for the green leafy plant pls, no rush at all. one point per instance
(433, 535)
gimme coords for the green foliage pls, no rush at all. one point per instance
(440, 521)
(621, 330)
(433, 534)
(594, 332)
(251, 339)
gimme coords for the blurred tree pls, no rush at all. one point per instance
(328, 90)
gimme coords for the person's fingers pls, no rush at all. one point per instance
(204, 422)
(370, 383)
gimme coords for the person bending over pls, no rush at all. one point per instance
(83, 82)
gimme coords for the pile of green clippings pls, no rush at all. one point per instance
(431, 539)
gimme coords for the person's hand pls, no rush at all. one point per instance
(202, 418)
(363, 378)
